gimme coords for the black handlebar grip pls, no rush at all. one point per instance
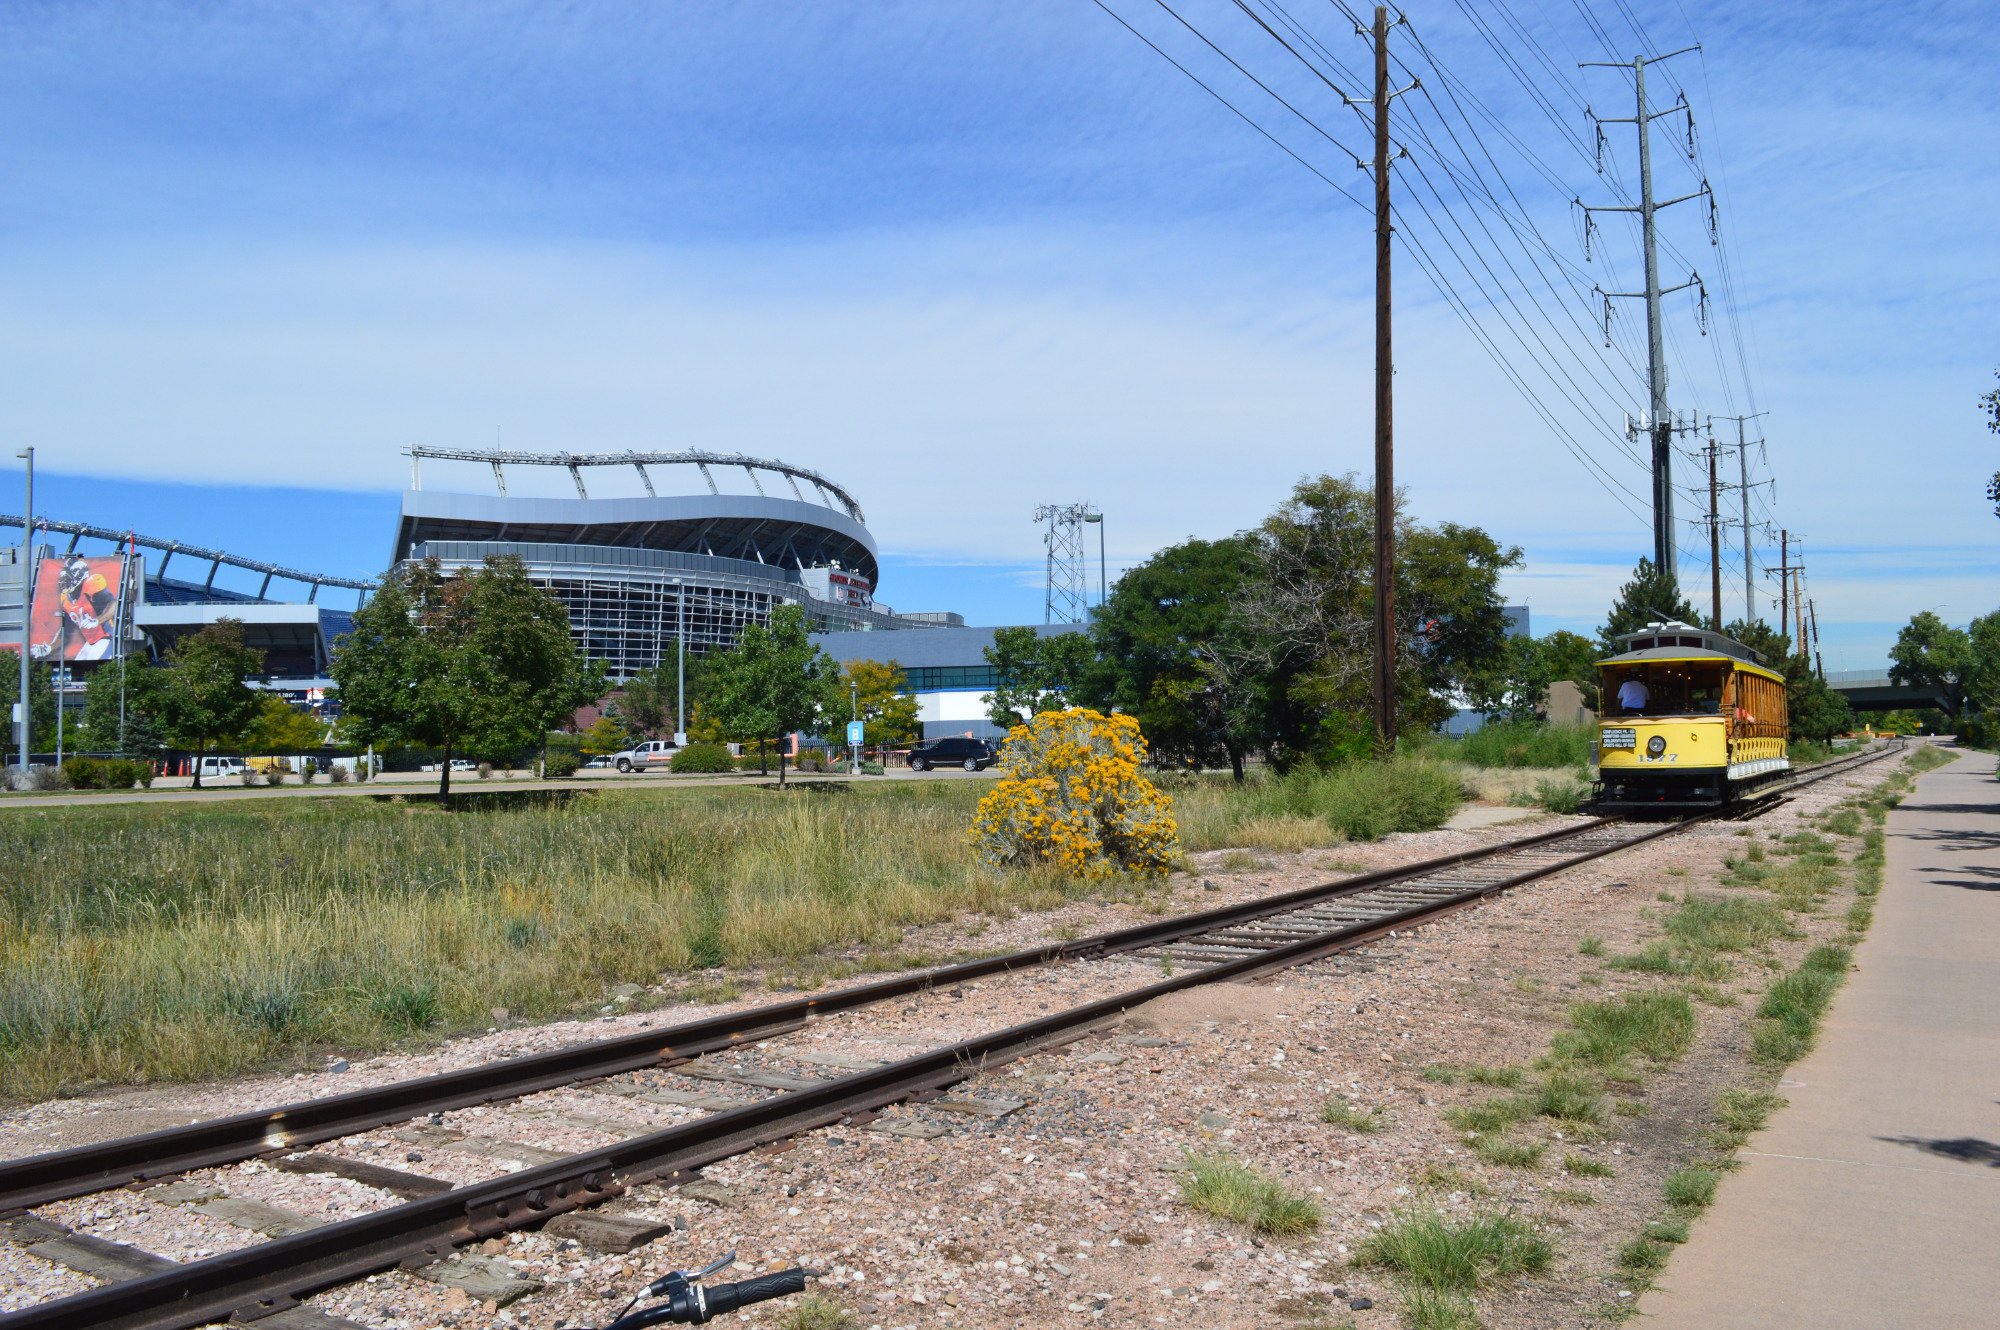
(723, 1298)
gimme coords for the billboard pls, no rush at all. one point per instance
(78, 608)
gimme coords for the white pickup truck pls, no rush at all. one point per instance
(654, 753)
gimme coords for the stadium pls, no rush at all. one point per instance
(707, 544)
(636, 571)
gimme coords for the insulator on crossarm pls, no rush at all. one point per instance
(1714, 222)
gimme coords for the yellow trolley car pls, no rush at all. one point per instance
(1690, 719)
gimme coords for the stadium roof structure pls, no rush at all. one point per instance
(216, 560)
(816, 524)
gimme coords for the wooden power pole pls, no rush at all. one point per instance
(1385, 435)
(1714, 544)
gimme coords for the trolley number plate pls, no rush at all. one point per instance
(1613, 738)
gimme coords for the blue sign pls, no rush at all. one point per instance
(854, 729)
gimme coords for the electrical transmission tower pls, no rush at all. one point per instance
(1067, 599)
(1659, 423)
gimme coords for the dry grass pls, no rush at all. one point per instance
(142, 943)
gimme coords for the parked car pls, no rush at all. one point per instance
(645, 756)
(972, 754)
(457, 764)
(598, 764)
(223, 767)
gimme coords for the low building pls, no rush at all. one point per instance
(945, 669)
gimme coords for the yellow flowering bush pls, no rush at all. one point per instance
(1071, 794)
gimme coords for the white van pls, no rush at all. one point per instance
(221, 767)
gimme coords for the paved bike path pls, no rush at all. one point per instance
(1874, 1199)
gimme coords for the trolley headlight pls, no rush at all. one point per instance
(1656, 745)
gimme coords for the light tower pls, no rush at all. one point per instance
(1068, 597)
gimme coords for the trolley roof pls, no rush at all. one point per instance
(1662, 643)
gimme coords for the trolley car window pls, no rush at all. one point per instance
(1667, 689)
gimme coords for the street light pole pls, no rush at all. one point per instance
(1098, 519)
(854, 713)
(680, 665)
(27, 598)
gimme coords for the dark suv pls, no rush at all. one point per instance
(972, 754)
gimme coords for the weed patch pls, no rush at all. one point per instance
(1583, 1166)
(1455, 1255)
(1691, 1188)
(1608, 1034)
(1225, 1189)
(1789, 1015)
(1340, 1113)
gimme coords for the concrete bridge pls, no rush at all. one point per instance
(1874, 690)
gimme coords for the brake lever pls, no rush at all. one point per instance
(679, 1281)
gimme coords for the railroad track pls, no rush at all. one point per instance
(680, 1071)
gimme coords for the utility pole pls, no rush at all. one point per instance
(1784, 583)
(27, 600)
(1067, 598)
(1819, 666)
(1385, 434)
(1714, 544)
(1659, 421)
(1743, 493)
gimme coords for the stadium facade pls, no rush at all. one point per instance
(634, 570)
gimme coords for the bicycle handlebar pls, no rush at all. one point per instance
(696, 1304)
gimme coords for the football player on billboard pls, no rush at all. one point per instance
(87, 613)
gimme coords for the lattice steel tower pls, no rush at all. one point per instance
(1068, 597)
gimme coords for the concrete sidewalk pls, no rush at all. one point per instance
(1874, 1199)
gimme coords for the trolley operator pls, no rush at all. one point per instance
(1633, 696)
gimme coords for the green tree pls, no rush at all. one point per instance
(41, 700)
(775, 682)
(1516, 689)
(1168, 652)
(1652, 596)
(142, 732)
(1309, 611)
(1036, 673)
(479, 662)
(878, 689)
(1930, 653)
(279, 727)
(606, 735)
(1573, 658)
(203, 698)
(1990, 406)
(646, 701)
(1816, 711)
(1982, 681)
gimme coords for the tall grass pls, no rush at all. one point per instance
(147, 942)
(1517, 745)
(1360, 801)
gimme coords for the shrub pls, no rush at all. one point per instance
(871, 768)
(1073, 796)
(702, 759)
(559, 765)
(1368, 800)
(83, 773)
(1560, 794)
(337, 774)
(486, 771)
(1503, 744)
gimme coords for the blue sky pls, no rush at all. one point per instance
(967, 259)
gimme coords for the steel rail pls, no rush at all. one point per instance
(82, 1170)
(274, 1275)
